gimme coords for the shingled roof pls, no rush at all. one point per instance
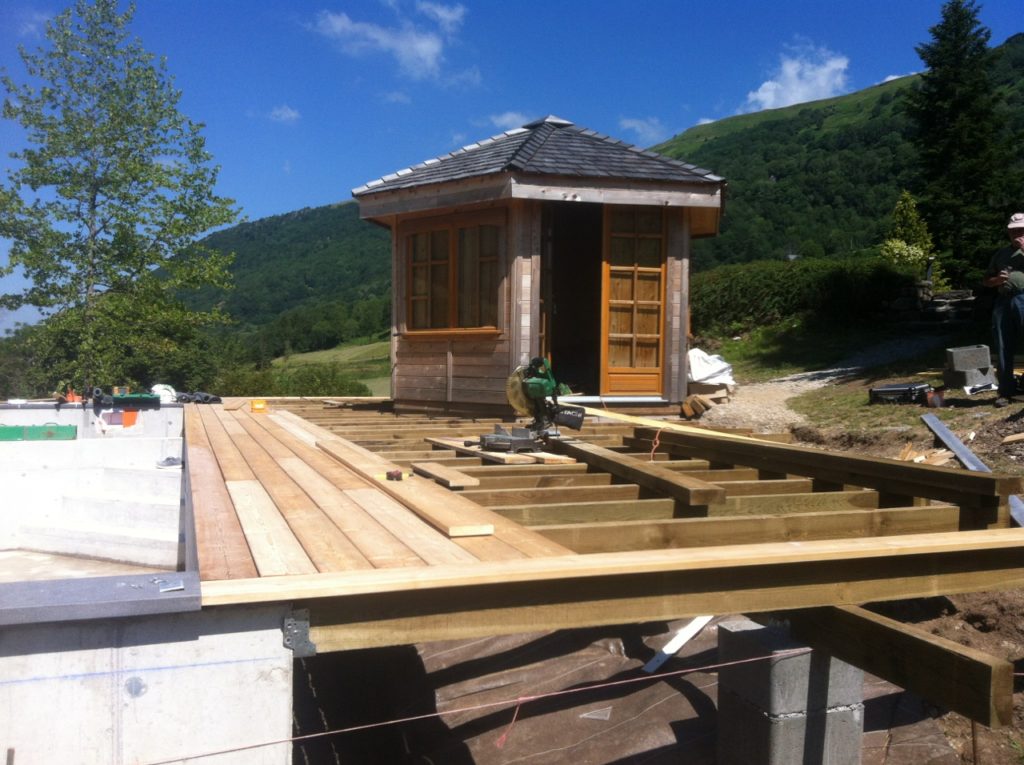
(551, 147)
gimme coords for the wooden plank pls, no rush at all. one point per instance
(678, 485)
(482, 471)
(275, 549)
(667, 532)
(451, 514)
(767, 486)
(589, 512)
(542, 481)
(979, 495)
(949, 675)
(788, 504)
(501, 458)
(403, 606)
(326, 545)
(220, 540)
(232, 464)
(432, 546)
(448, 477)
(548, 496)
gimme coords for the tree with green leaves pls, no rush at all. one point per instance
(105, 203)
(961, 138)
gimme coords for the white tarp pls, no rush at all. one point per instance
(705, 368)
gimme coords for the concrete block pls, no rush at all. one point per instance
(748, 736)
(953, 378)
(792, 707)
(139, 546)
(781, 685)
(968, 357)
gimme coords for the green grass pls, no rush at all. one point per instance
(368, 362)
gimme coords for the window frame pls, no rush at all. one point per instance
(452, 225)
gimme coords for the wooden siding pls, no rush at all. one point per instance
(451, 370)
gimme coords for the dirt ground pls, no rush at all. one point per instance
(991, 622)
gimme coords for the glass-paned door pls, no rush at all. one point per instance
(633, 300)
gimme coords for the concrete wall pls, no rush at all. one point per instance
(148, 689)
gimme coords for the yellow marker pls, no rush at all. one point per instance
(258, 405)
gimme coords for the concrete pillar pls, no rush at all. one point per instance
(797, 709)
(148, 689)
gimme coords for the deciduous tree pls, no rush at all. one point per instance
(104, 204)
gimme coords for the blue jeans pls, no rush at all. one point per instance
(1007, 333)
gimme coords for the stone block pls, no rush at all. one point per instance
(788, 684)
(797, 706)
(953, 378)
(748, 736)
(968, 357)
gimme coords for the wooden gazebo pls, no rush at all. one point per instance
(548, 240)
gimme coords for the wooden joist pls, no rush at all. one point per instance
(445, 475)
(678, 485)
(981, 496)
(666, 532)
(956, 677)
(396, 606)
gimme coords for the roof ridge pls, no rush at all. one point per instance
(539, 136)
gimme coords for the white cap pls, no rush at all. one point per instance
(1016, 220)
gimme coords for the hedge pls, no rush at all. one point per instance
(739, 297)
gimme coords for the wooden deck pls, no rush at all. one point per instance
(295, 505)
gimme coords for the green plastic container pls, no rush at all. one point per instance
(51, 432)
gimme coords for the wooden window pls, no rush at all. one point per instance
(453, 275)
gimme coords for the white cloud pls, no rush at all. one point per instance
(805, 74)
(396, 97)
(706, 121)
(284, 113)
(648, 130)
(508, 120)
(892, 77)
(419, 53)
(448, 17)
(32, 24)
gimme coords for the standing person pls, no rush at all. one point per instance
(1006, 273)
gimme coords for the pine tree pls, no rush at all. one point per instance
(960, 136)
(105, 203)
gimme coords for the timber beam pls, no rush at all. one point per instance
(982, 496)
(964, 680)
(680, 486)
(396, 607)
(661, 533)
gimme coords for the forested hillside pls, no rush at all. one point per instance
(313, 255)
(820, 178)
(811, 180)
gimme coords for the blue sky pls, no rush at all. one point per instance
(304, 100)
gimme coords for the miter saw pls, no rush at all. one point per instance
(532, 390)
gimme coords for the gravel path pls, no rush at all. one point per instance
(763, 407)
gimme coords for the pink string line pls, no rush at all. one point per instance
(519, 701)
(655, 443)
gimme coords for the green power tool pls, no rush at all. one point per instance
(532, 390)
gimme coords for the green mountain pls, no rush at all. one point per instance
(811, 180)
(819, 178)
(303, 258)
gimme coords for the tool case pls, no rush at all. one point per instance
(899, 393)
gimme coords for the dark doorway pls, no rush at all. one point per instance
(571, 291)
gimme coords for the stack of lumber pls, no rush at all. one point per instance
(695, 405)
(927, 457)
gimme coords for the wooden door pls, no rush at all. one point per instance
(633, 301)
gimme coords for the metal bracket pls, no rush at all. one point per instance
(296, 634)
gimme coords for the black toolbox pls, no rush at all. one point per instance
(900, 393)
